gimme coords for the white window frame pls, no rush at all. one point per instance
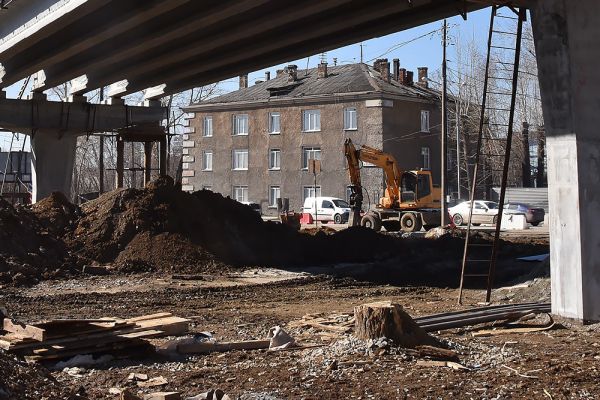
(274, 129)
(426, 158)
(425, 121)
(207, 126)
(243, 190)
(309, 191)
(274, 194)
(311, 121)
(241, 128)
(308, 153)
(206, 155)
(350, 119)
(234, 159)
(274, 159)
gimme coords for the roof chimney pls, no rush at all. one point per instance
(422, 72)
(377, 64)
(279, 73)
(322, 70)
(410, 77)
(292, 71)
(396, 69)
(243, 81)
(385, 71)
(267, 76)
(402, 76)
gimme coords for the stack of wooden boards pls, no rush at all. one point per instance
(63, 338)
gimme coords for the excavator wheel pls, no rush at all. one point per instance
(371, 221)
(391, 225)
(410, 223)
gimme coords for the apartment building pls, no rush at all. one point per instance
(255, 144)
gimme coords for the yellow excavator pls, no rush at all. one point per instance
(410, 200)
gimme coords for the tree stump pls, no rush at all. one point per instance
(389, 320)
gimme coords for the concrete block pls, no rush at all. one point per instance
(185, 181)
(185, 136)
(185, 151)
(187, 188)
(189, 129)
(185, 165)
(189, 172)
(188, 143)
(188, 159)
(514, 222)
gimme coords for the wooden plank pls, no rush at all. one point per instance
(210, 347)
(150, 316)
(24, 331)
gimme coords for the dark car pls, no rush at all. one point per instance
(533, 215)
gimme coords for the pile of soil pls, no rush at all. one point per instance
(20, 380)
(56, 213)
(28, 250)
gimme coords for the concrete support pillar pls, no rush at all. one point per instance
(566, 37)
(147, 162)
(52, 164)
(120, 162)
(162, 159)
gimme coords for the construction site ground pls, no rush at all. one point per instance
(556, 364)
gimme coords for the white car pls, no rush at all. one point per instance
(327, 209)
(484, 212)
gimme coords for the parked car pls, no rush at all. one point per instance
(484, 212)
(327, 209)
(533, 215)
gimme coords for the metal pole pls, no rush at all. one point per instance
(147, 162)
(101, 165)
(120, 163)
(444, 132)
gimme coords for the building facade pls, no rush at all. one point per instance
(256, 144)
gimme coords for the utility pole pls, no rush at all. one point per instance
(444, 132)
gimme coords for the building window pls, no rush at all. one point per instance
(310, 153)
(207, 127)
(311, 120)
(274, 123)
(240, 124)
(240, 159)
(350, 123)
(424, 121)
(309, 191)
(240, 193)
(275, 159)
(207, 160)
(425, 158)
(274, 194)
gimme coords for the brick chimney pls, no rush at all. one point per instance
(402, 76)
(279, 73)
(292, 71)
(385, 71)
(243, 81)
(396, 69)
(410, 78)
(378, 63)
(267, 76)
(322, 70)
(422, 72)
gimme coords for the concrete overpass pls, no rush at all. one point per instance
(162, 47)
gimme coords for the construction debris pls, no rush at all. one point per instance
(59, 339)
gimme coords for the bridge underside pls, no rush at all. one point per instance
(164, 47)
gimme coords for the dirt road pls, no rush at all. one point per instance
(557, 364)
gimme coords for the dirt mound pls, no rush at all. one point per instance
(56, 213)
(28, 251)
(20, 380)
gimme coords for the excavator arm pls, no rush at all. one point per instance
(356, 196)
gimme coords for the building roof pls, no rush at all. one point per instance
(340, 80)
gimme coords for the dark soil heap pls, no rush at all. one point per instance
(20, 380)
(28, 251)
(162, 227)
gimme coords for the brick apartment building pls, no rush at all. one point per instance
(255, 144)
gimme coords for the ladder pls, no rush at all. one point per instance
(494, 139)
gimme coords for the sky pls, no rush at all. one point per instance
(417, 47)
